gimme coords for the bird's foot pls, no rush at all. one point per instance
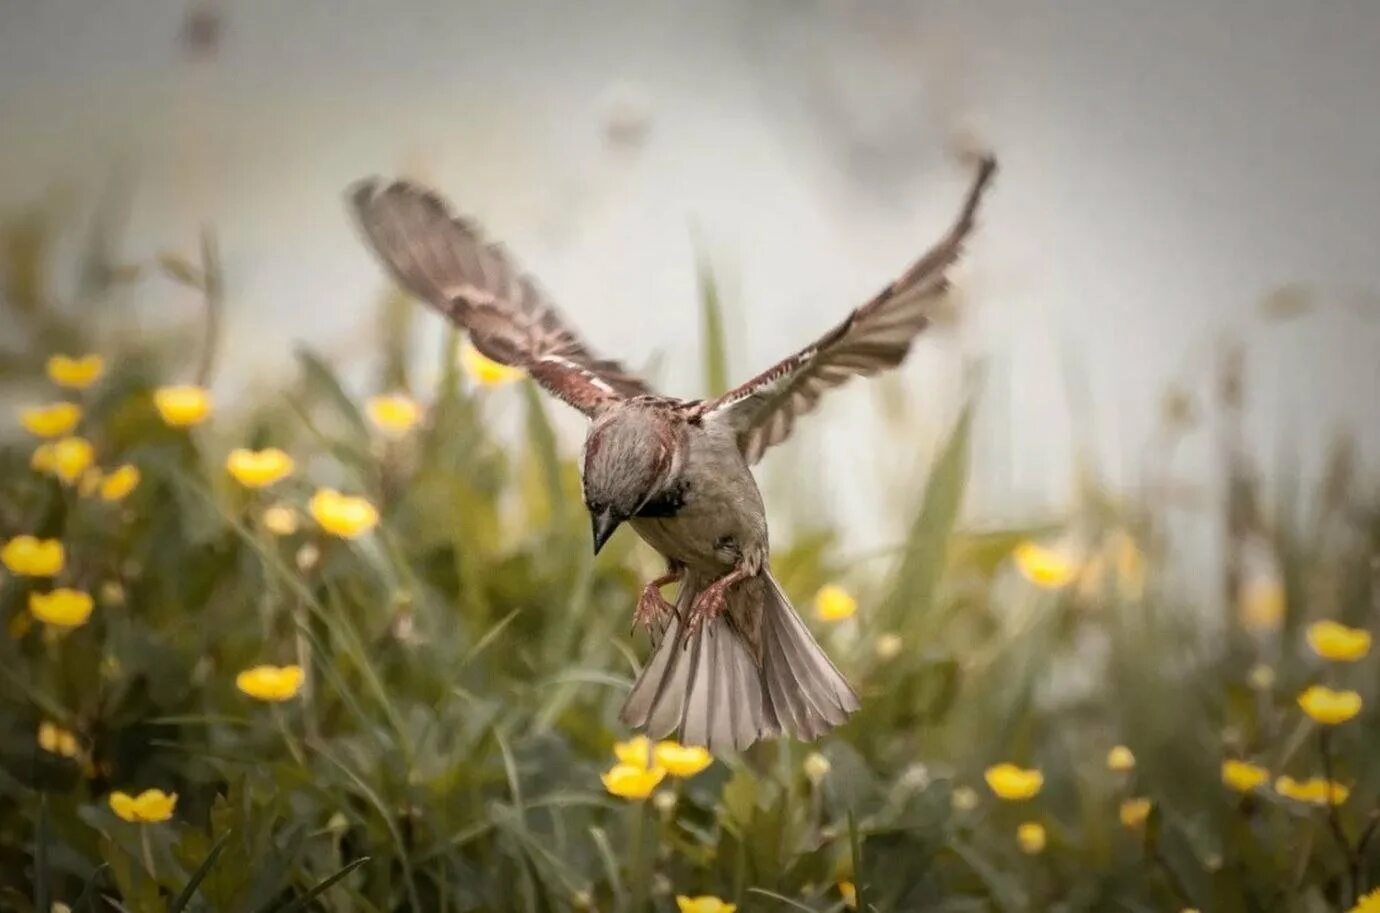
(652, 609)
(708, 606)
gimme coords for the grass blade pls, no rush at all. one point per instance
(184, 897)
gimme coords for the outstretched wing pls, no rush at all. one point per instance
(874, 337)
(444, 260)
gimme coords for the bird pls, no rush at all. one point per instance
(732, 661)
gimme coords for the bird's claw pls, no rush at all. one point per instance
(652, 609)
(710, 605)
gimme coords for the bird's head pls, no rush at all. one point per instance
(628, 458)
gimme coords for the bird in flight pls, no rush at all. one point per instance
(732, 660)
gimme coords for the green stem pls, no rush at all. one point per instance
(147, 851)
(639, 866)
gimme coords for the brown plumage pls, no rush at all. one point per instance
(733, 661)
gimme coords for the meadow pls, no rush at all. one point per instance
(340, 650)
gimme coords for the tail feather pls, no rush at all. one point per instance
(713, 690)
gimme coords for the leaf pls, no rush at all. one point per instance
(41, 873)
(927, 542)
(712, 331)
(184, 897)
(320, 381)
(320, 888)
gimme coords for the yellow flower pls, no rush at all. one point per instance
(1015, 783)
(54, 420)
(703, 904)
(258, 468)
(342, 515)
(1243, 776)
(62, 608)
(75, 373)
(1261, 604)
(72, 456)
(395, 414)
(483, 370)
(1367, 903)
(29, 556)
(1120, 759)
(182, 406)
(280, 520)
(1314, 790)
(834, 603)
(636, 751)
(682, 760)
(1337, 642)
(270, 683)
(1045, 567)
(1329, 707)
(816, 767)
(849, 892)
(964, 799)
(149, 807)
(1031, 837)
(42, 459)
(632, 781)
(1134, 812)
(117, 485)
(53, 739)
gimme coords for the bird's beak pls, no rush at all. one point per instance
(604, 525)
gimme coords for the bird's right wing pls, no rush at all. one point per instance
(444, 260)
(874, 337)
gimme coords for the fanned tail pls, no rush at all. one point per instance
(712, 688)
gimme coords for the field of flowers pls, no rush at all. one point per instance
(324, 651)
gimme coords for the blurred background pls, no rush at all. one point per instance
(1102, 560)
(1168, 183)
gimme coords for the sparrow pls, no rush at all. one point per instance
(732, 661)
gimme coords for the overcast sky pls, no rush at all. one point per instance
(1165, 167)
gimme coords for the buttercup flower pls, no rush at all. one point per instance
(1337, 642)
(1329, 707)
(681, 760)
(258, 468)
(636, 751)
(483, 370)
(54, 420)
(117, 485)
(53, 739)
(42, 459)
(1134, 812)
(62, 608)
(816, 767)
(964, 799)
(75, 373)
(1031, 837)
(1014, 783)
(280, 520)
(1367, 903)
(1261, 604)
(632, 781)
(72, 456)
(1044, 567)
(1120, 759)
(1243, 776)
(182, 406)
(29, 556)
(149, 807)
(834, 603)
(849, 892)
(342, 515)
(1314, 790)
(703, 904)
(395, 414)
(270, 683)
(889, 646)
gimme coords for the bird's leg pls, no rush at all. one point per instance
(651, 605)
(709, 604)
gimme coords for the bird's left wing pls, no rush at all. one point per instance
(444, 260)
(874, 337)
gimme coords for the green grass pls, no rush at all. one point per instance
(467, 659)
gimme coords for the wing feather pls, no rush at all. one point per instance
(443, 259)
(873, 338)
